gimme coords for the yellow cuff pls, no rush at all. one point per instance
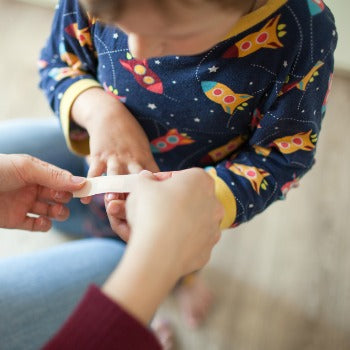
(78, 147)
(226, 198)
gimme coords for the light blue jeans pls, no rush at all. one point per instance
(38, 291)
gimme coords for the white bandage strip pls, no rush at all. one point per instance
(104, 184)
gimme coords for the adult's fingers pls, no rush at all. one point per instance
(97, 167)
(34, 171)
(53, 211)
(41, 224)
(119, 226)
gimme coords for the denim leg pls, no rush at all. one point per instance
(38, 291)
(41, 138)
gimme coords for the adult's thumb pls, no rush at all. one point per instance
(41, 173)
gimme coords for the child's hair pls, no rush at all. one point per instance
(111, 10)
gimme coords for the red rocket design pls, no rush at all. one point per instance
(256, 119)
(289, 185)
(82, 35)
(169, 141)
(143, 75)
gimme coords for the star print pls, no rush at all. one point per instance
(251, 205)
(127, 90)
(177, 57)
(285, 64)
(152, 106)
(115, 36)
(213, 69)
(211, 111)
(197, 120)
(251, 83)
(322, 51)
(157, 62)
(196, 99)
(174, 81)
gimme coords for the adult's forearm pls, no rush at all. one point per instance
(141, 282)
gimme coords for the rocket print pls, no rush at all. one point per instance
(144, 76)
(223, 151)
(302, 141)
(289, 185)
(302, 84)
(224, 96)
(61, 73)
(262, 151)
(169, 141)
(266, 38)
(255, 176)
(82, 35)
(71, 59)
(324, 104)
(316, 6)
(256, 119)
(114, 92)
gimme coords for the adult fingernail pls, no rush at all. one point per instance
(78, 179)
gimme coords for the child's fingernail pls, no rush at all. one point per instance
(78, 179)
(111, 196)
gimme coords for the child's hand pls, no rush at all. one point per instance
(118, 144)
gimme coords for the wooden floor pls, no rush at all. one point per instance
(282, 281)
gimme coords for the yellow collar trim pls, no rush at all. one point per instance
(255, 17)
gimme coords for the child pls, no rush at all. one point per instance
(237, 86)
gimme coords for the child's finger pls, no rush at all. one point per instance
(151, 165)
(134, 168)
(97, 167)
(115, 167)
(116, 208)
(86, 200)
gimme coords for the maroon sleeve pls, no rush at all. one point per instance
(100, 323)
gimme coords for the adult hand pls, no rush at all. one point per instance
(175, 223)
(115, 206)
(31, 186)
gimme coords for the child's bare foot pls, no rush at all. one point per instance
(164, 332)
(194, 298)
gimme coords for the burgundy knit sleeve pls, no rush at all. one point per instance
(99, 323)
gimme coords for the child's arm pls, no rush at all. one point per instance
(68, 64)
(282, 147)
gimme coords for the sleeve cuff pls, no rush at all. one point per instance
(226, 198)
(80, 147)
